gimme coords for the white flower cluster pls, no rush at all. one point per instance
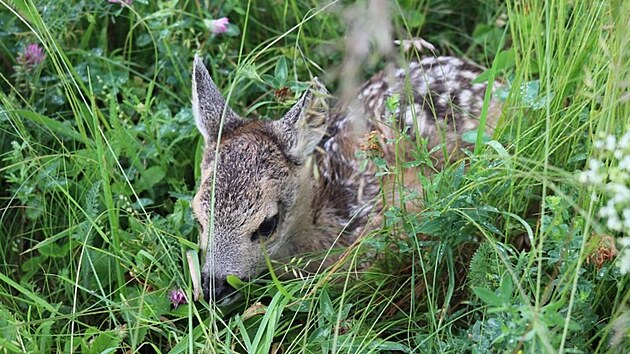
(611, 174)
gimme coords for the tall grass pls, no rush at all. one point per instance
(100, 158)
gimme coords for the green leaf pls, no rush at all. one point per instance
(481, 32)
(104, 343)
(235, 282)
(319, 334)
(297, 86)
(471, 137)
(345, 312)
(281, 72)
(97, 269)
(150, 177)
(412, 164)
(326, 306)
(506, 286)
(389, 345)
(505, 155)
(299, 306)
(54, 250)
(504, 60)
(232, 30)
(487, 296)
(530, 91)
(414, 18)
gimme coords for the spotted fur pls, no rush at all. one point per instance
(300, 173)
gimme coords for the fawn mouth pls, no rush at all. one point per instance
(218, 291)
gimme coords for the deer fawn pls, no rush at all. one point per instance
(294, 185)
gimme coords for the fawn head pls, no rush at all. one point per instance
(259, 178)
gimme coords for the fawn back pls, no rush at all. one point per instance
(292, 186)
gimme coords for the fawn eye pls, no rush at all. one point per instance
(266, 229)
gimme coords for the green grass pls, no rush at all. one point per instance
(100, 155)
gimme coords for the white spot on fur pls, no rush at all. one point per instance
(468, 74)
(464, 98)
(452, 85)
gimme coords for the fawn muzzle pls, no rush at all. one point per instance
(215, 289)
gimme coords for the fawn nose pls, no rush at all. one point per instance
(215, 288)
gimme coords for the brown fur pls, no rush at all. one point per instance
(302, 171)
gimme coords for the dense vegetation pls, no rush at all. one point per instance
(521, 246)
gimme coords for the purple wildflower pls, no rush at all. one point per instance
(121, 2)
(31, 56)
(219, 25)
(178, 297)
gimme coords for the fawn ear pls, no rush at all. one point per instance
(209, 107)
(304, 125)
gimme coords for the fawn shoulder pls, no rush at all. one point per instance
(294, 185)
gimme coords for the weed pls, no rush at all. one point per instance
(520, 245)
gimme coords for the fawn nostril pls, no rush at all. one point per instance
(221, 289)
(215, 289)
(205, 287)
